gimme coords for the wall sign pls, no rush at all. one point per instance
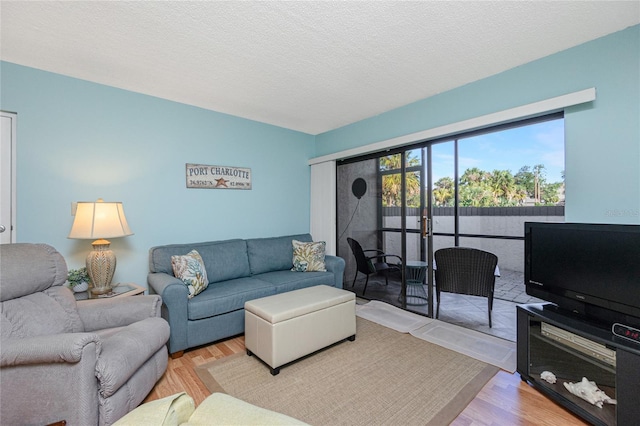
(217, 177)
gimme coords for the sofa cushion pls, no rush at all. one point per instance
(308, 257)
(223, 260)
(289, 280)
(272, 254)
(227, 296)
(190, 269)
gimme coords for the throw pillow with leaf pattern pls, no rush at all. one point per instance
(308, 257)
(190, 269)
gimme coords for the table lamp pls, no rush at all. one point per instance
(100, 220)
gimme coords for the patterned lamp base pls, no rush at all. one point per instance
(101, 264)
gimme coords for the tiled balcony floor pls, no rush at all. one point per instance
(466, 311)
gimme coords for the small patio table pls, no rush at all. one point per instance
(415, 273)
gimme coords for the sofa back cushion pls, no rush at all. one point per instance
(273, 254)
(223, 260)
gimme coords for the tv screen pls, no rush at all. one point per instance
(581, 266)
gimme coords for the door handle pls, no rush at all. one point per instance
(2, 229)
(426, 227)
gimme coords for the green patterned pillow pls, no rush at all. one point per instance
(308, 257)
(190, 269)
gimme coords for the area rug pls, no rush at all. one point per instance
(483, 347)
(383, 377)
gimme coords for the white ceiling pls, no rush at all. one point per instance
(311, 66)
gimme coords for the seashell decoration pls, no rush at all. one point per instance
(548, 377)
(590, 392)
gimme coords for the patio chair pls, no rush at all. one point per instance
(465, 270)
(372, 264)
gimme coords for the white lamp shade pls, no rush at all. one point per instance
(99, 219)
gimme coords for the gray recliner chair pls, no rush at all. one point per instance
(86, 363)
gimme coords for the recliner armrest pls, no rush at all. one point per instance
(99, 314)
(55, 348)
(125, 352)
(49, 378)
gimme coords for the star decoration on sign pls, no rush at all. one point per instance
(221, 182)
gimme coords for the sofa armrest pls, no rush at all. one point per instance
(98, 314)
(335, 264)
(158, 281)
(55, 348)
(175, 298)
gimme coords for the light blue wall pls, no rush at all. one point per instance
(78, 141)
(602, 138)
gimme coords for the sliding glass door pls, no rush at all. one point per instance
(472, 190)
(382, 205)
(405, 216)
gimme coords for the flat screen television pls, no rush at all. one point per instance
(592, 270)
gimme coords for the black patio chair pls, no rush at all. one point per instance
(465, 270)
(372, 264)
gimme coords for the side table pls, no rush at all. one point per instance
(416, 272)
(119, 290)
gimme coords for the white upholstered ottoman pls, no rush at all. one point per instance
(281, 328)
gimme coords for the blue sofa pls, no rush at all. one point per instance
(238, 270)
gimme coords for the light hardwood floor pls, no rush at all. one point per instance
(505, 399)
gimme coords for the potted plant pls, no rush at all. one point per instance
(78, 279)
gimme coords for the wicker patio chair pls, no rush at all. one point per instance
(465, 270)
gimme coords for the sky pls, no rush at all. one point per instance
(540, 143)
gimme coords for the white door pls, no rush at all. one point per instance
(7, 177)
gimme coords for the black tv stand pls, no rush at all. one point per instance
(549, 339)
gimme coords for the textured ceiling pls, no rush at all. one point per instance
(309, 66)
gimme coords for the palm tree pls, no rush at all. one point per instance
(520, 195)
(473, 176)
(475, 196)
(503, 186)
(392, 184)
(443, 191)
(441, 196)
(550, 193)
